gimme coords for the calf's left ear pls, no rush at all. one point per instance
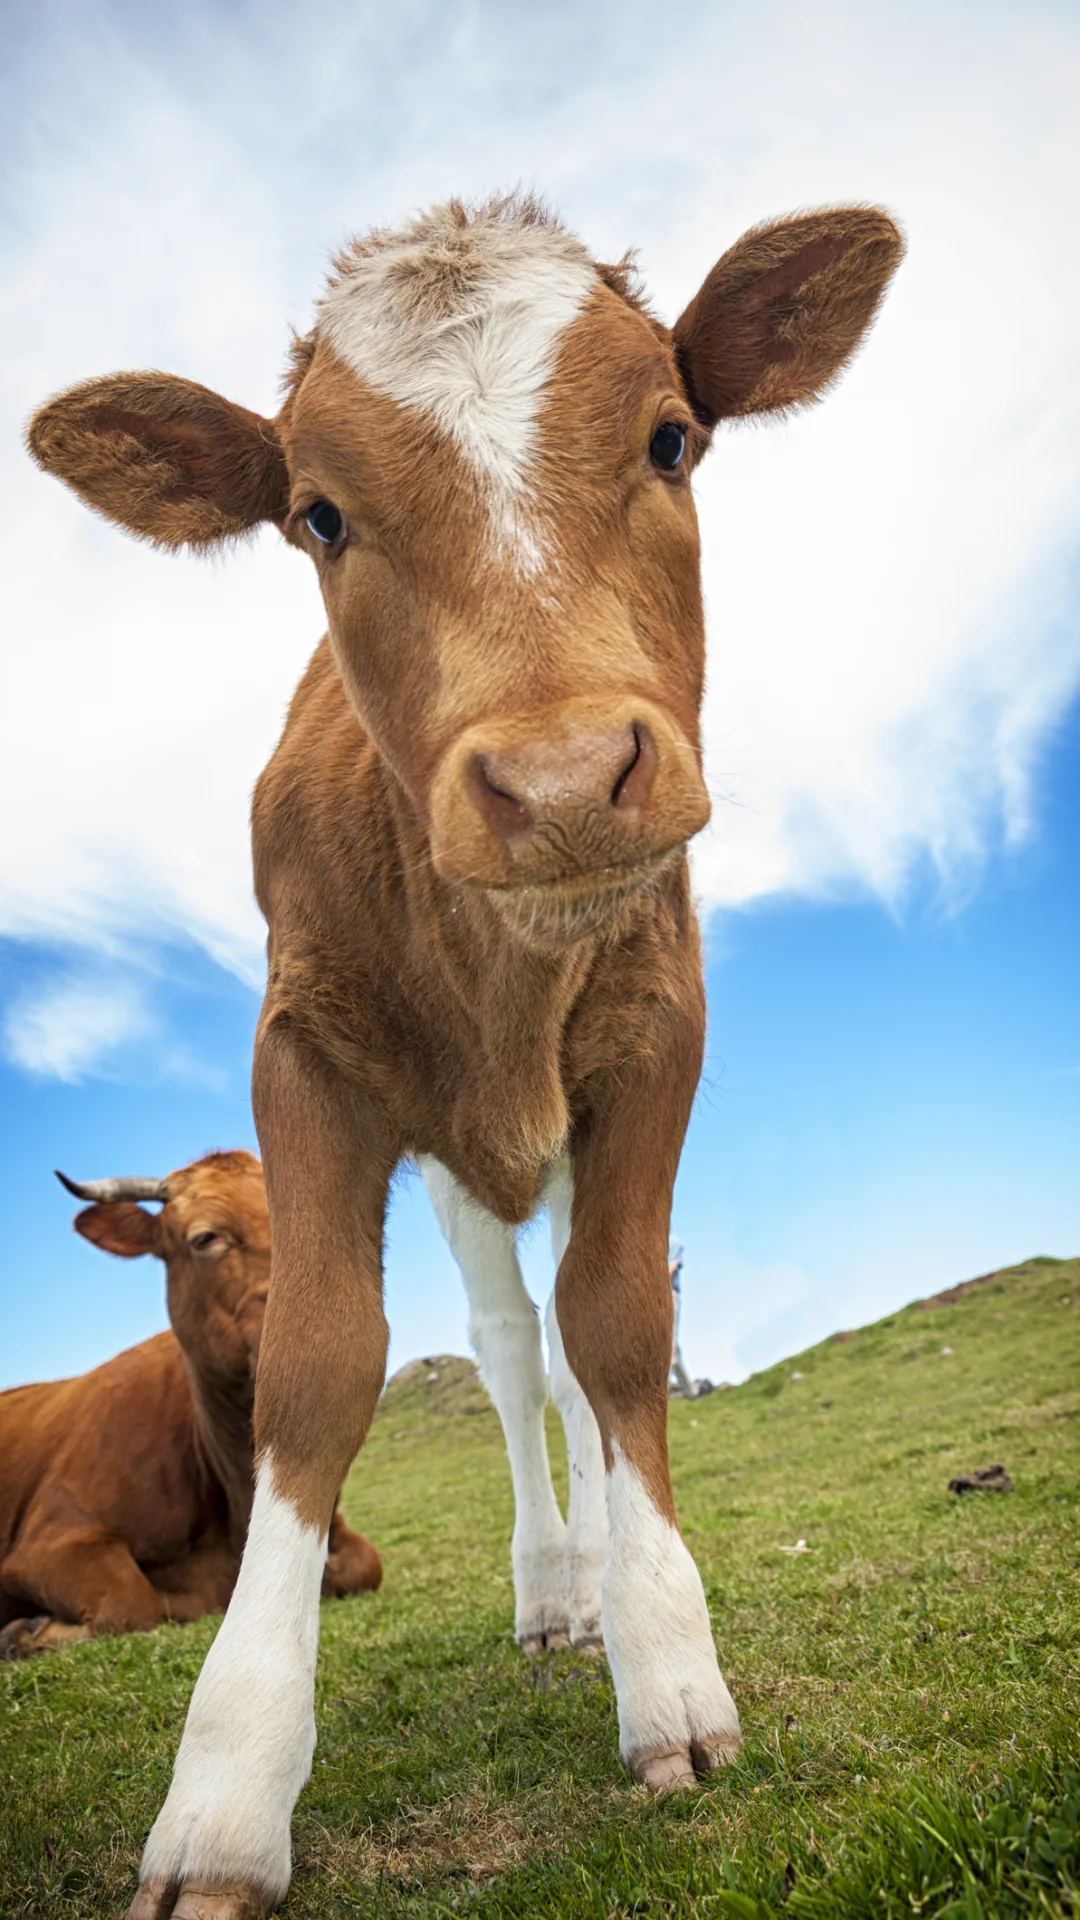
(119, 1226)
(782, 312)
(166, 458)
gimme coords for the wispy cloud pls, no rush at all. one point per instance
(101, 1017)
(887, 578)
(70, 1027)
(728, 1314)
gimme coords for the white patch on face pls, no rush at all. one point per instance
(586, 1519)
(250, 1733)
(656, 1628)
(463, 323)
(504, 1331)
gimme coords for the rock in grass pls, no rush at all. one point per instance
(983, 1480)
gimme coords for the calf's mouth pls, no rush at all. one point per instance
(559, 912)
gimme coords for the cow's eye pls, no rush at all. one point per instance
(326, 522)
(200, 1242)
(667, 446)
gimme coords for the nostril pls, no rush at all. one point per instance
(635, 756)
(634, 784)
(508, 816)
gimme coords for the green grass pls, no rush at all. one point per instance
(908, 1686)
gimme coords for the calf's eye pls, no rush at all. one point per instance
(325, 521)
(667, 446)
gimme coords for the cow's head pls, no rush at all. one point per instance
(213, 1234)
(486, 449)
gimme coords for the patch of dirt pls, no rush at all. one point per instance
(764, 1686)
(950, 1295)
(1059, 1406)
(860, 1575)
(469, 1834)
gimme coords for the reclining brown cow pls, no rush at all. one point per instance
(125, 1494)
(470, 847)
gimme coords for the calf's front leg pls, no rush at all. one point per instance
(613, 1302)
(220, 1848)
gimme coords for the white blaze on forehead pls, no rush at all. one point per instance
(461, 319)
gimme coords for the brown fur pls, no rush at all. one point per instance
(781, 314)
(476, 952)
(167, 458)
(125, 1493)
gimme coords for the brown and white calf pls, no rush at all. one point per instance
(125, 1493)
(470, 850)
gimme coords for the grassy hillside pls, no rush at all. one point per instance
(908, 1683)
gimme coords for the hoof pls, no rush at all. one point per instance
(154, 1901)
(590, 1643)
(219, 1903)
(157, 1901)
(677, 1769)
(665, 1772)
(548, 1642)
(19, 1636)
(715, 1751)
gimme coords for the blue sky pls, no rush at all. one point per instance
(892, 1100)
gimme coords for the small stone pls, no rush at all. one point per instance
(982, 1480)
(945, 1350)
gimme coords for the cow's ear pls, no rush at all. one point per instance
(165, 458)
(782, 312)
(119, 1226)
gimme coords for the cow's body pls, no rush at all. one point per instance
(470, 850)
(125, 1493)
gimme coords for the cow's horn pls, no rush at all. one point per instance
(135, 1188)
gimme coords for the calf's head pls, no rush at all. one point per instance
(486, 448)
(213, 1234)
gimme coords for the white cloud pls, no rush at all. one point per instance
(886, 578)
(101, 1019)
(68, 1027)
(728, 1314)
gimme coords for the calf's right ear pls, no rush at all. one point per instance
(167, 459)
(119, 1226)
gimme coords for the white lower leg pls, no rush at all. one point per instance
(505, 1334)
(675, 1713)
(247, 1746)
(586, 1520)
